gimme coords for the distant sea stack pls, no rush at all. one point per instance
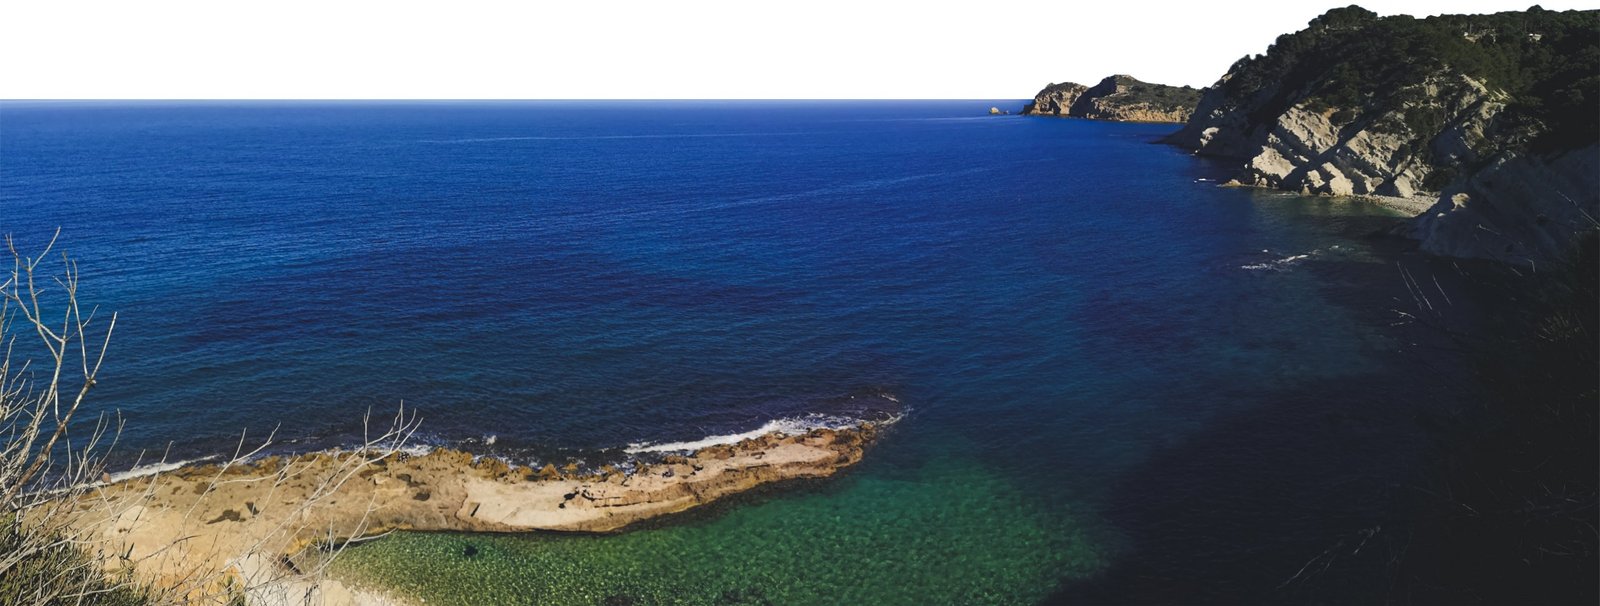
(1120, 98)
(1492, 118)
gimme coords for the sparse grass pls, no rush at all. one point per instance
(52, 569)
(1509, 513)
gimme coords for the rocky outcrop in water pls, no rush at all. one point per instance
(248, 523)
(1487, 115)
(1119, 98)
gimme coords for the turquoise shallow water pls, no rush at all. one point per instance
(1120, 382)
(949, 532)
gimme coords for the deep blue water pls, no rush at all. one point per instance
(1065, 301)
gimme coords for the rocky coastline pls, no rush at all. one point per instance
(1490, 164)
(1119, 98)
(256, 525)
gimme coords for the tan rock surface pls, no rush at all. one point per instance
(251, 523)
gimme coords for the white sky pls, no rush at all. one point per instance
(536, 49)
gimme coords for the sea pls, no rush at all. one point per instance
(1105, 378)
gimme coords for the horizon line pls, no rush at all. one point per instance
(478, 99)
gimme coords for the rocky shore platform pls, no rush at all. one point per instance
(258, 526)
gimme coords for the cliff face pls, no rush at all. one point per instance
(1521, 208)
(1120, 98)
(1055, 100)
(1311, 147)
(1490, 115)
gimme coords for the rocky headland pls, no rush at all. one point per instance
(1119, 98)
(1489, 121)
(257, 525)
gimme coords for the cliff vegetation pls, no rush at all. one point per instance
(1120, 98)
(1491, 117)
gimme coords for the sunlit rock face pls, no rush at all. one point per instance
(1120, 98)
(1407, 108)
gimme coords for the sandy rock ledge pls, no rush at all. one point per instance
(259, 526)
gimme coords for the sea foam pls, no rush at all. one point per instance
(151, 469)
(787, 426)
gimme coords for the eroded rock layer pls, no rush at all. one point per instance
(1486, 118)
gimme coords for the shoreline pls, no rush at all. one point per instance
(1043, 115)
(1411, 207)
(262, 525)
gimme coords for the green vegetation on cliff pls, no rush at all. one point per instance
(1350, 58)
(1121, 98)
(1492, 117)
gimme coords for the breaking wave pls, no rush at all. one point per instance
(789, 426)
